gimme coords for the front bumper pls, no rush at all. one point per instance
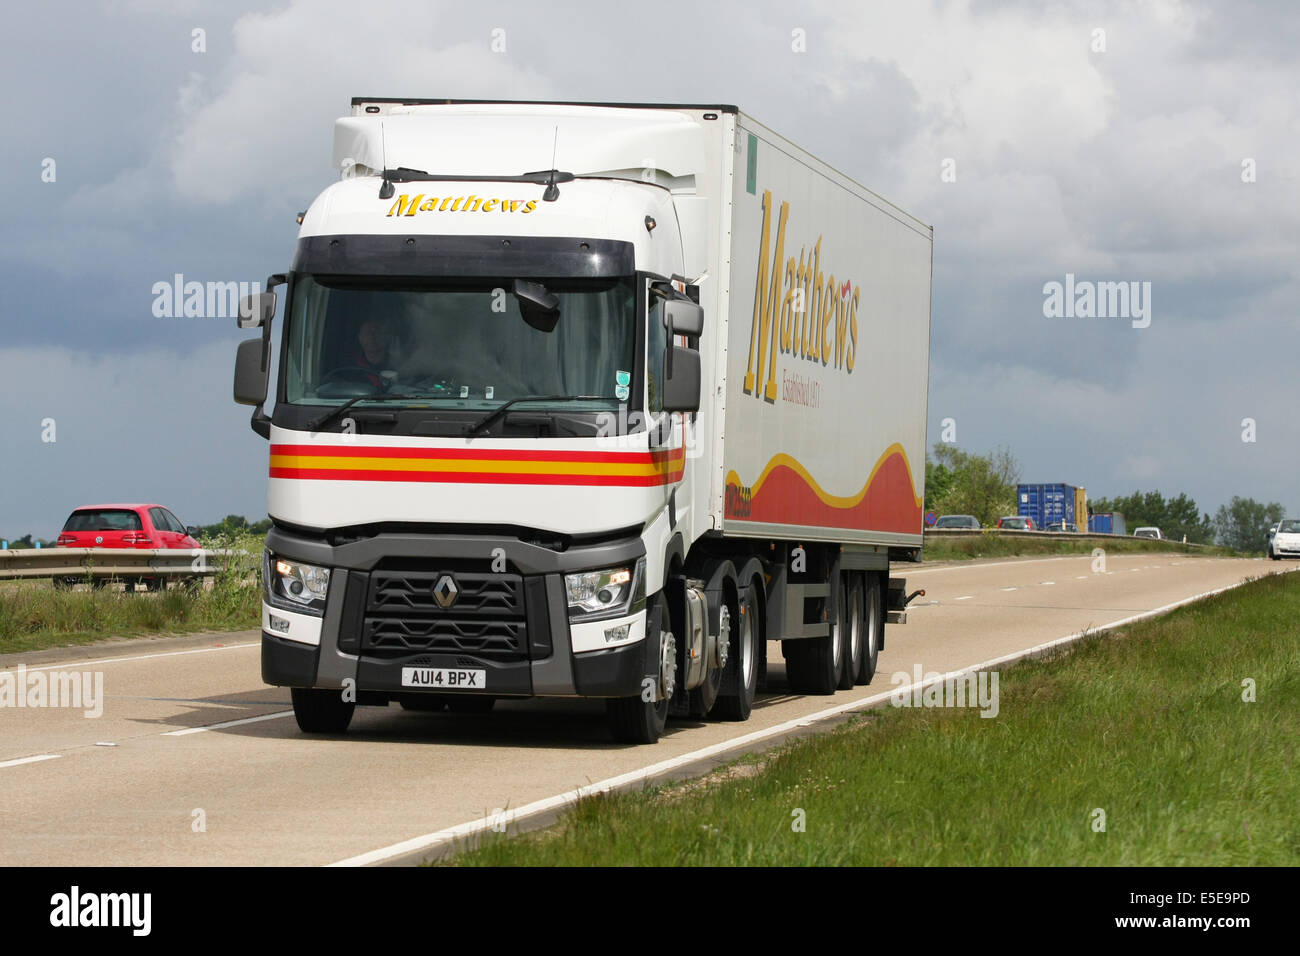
(509, 618)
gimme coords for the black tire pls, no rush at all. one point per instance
(424, 704)
(743, 664)
(156, 584)
(63, 584)
(850, 627)
(873, 628)
(1273, 554)
(634, 720)
(813, 663)
(321, 711)
(470, 704)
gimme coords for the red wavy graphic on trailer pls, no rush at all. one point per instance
(786, 493)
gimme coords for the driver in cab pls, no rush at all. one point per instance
(372, 353)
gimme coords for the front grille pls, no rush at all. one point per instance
(403, 615)
(490, 595)
(488, 638)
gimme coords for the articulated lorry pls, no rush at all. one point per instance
(586, 400)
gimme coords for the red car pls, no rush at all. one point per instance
(126, 526)
(1016, 523)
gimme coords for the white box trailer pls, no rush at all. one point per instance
(586, 400)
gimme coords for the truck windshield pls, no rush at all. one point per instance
(456, 343)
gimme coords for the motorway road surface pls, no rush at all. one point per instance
(127, 789)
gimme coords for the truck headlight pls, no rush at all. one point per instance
(295, 585)
(606, 593)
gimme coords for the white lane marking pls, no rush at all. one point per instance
(22, 760)
(964, 597)
(1081, 577)
(994, 564)
(1008, 589)
(1045, 583)
(439, 837)
(66, 665)
(228, 723)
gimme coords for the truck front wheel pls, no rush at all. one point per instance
(737, 699)
(641, 719)
(321, 711)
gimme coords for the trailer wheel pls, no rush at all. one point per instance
(742, 665)
(850, 625)
(634, 720)
(321, 711)
(813, 663)
(873, 630)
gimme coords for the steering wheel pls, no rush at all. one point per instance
(347, 382)
(350, 373)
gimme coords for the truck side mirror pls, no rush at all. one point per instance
(683, 317)
(251, 376)
(256, 310)
(682, 380)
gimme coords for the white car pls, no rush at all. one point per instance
(1148, 533)
(1285, 542)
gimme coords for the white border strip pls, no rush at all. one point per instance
(229, 723)
(441, 837)
(23, 760)
(68, 665)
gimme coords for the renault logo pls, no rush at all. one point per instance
(445, 591)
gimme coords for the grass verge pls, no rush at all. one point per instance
(1148, 725)
(36, 616)
(990, 544)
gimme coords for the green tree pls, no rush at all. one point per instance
(938, 480)
(1243, 523)
(1175, 517)
(965, 483)
(234, 525)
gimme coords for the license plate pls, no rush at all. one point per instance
(443, 678)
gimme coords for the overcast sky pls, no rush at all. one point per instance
(1153, 143)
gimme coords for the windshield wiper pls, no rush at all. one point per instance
(336, 412)
(505, 406)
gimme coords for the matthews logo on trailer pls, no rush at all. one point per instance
(818, 316)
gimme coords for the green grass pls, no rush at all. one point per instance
(991, 544)
(35, 616)
(1149, 725)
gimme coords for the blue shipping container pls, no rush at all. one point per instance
(1046, 504)
(1107, 523)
